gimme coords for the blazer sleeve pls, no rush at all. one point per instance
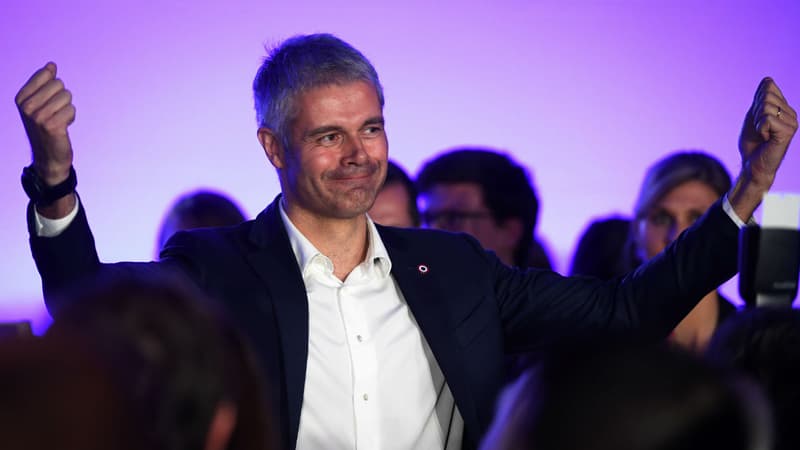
(539, 306)
(70, 259)
(64, 259)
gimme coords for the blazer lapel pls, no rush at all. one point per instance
(423, 288)
(275, 263)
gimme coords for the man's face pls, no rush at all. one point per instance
(460, 207)
(337, 159)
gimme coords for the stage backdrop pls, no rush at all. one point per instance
(585, 93)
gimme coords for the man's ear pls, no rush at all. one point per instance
(272, 147)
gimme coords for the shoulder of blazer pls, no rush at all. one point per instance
(422, 239)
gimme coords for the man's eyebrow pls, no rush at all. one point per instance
(323, 129)
(377, 120)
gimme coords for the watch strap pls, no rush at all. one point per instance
(40, 193)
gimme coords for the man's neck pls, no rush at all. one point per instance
(344, 241)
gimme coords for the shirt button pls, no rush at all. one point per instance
(360, 339)
(366, 397)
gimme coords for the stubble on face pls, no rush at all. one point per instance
(352, 190)
(337, 162)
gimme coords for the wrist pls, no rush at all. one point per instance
(747, 193)
(59, 208)
(44, 194)
(755, 179)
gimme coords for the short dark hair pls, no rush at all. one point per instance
(613, 393)
(396, 175)
(199, 209)
(601, 249)
(55, 394)
(506, 187)
(174, 355)
(301, 63)
(764, 343)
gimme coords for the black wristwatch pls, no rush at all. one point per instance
(40, 193)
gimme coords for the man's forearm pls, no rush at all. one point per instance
(746, 194)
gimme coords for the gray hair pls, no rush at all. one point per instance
(301, 63)
(676, 169)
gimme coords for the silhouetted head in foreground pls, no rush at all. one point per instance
(764, 343)
(610, 396)
(188, 374)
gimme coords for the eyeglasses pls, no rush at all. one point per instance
(451, 219)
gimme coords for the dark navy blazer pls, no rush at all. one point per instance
(470, 307)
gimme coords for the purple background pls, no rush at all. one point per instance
(585, 93)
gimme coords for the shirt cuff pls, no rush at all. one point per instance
(53, 227)
(728, 208)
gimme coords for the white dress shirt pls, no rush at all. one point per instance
(371, 379)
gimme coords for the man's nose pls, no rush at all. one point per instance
(355, 151)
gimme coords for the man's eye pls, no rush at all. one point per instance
(328, 139)
(373, 130)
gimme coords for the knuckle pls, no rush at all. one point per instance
(53, 126)
(27, 108)
(37, 116)
(39, 120)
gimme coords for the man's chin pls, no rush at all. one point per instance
(354, 204)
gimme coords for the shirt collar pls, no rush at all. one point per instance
(305, 252)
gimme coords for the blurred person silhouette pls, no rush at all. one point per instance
(396, 202)
(610, 394)
(201, 208)
(539, 255)
(55, 394)
(188, 373)
(484, 193)
(764, 343)
(676, 191)
(601, 249)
